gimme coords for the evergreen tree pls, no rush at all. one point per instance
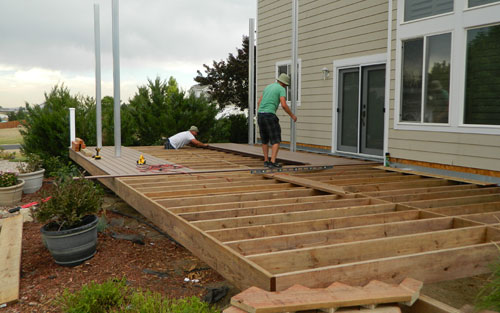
(228, 80)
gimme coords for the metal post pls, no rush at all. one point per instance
(116, 79)
(72, 128)
(293, 70)
(97, 45)
(251, 80)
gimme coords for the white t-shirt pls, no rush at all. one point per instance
(181, 139)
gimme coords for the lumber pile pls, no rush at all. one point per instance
(337, 297)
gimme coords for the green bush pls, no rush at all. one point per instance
(116, 296)
(46, 131)
(95, 298)
(70, 201)
(8, 179)
(163, 110)
(489, 297)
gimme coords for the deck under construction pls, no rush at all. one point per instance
(353, 223)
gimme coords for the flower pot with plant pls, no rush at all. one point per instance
(69, 209)
(11, 189)
(31, 172)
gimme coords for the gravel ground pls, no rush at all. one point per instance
(6, 166)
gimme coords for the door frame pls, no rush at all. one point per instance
(375, 59)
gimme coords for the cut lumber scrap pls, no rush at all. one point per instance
(10, 258)
(337, 295)
(463, 180)
(426, 304)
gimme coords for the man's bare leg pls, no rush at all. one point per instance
(275, 148)
(265, 151)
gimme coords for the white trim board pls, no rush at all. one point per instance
(457, 23)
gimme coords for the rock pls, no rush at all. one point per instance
(156, 273)
(26, 213)
(131, 237)
(116, 222)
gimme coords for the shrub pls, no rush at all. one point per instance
(70, 201)
(489, 297)
(116, 296)
(94, 298)
(8, 179)
(46, 127)
(32, 163)
(4, 155)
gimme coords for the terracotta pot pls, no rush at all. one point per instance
(11, 196)
(33, 181)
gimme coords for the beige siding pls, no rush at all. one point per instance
(459, 149)
(328, 31)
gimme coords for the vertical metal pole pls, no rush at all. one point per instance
(116, 79)
(293, 70)
(251, 80)
(72, 128)
(97, 44)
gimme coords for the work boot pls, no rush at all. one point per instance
(275, 165)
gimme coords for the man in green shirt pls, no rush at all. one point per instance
(269, 125)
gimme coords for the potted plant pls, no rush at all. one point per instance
(69, 212)
(11, 189)
(31, 172)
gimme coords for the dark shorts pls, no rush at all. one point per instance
(168, 145)
(269, 128)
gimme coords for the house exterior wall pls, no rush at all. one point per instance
(328, 31)
(452, 144)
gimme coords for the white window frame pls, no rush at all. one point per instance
(359, 62)
(299, 78)
(457, 23)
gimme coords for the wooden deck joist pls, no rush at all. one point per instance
(353, 223)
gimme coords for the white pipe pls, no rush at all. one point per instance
(251, 80)
(97, 45)
(72, 128)
(116, 78)
(294, 78)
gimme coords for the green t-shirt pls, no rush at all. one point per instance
(271, 98)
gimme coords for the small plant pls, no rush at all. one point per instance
(33, 163)
(70, 201)
(116, 296)
(95, 298)
(4, 155)
(8, 179)
(489, 297)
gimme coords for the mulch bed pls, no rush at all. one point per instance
(166, 263)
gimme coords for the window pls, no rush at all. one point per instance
(482, 85)
(416, 9)
(475, 3)
(284, 67)
(426, 79)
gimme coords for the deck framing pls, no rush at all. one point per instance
(353, 223)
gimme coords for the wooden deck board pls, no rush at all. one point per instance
(278, 229)
(10, 258)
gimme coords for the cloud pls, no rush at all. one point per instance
(53, 40)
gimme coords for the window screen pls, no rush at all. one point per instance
(415, 9)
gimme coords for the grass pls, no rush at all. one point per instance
(10, 136)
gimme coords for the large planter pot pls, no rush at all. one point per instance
(72, 247)
(10, 196)
(33, 181)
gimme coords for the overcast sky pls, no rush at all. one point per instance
(49, 42)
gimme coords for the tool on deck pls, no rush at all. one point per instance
(97, 156)
(141, 160)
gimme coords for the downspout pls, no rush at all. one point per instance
(388, 80)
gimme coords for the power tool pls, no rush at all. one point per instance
(97, 156)
(141, 160)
